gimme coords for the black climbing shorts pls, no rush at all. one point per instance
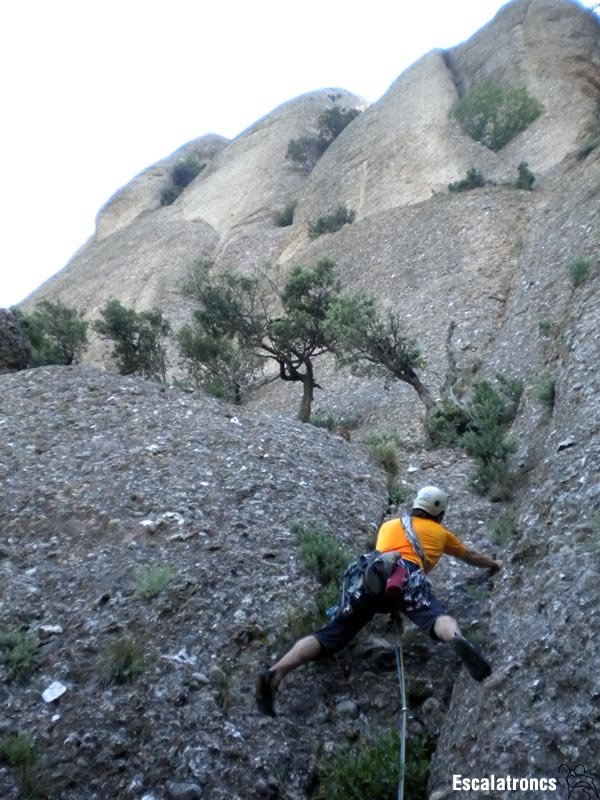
(337, 633)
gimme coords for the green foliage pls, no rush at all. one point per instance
(19, 750)
(549, 328)
(332, 121)
(332, 222)
(186, 169)
(384, 454)
(477, 591)
(325, 559)
(372, 772)
(374, 344)
(183, 173)
(491, 412)
(588, 146)
(445, 424)
(493, 114)
(56, 334)
(151, 580)
(397, 494)
(504, 528)
(512, 392)
(169, 194)
(223, 679)
(285, 217)
(19, 652)
(579, 270)
(307, 150)
(474, 180)
(216, 362)
(124, 661)
(283, 323)
(526, 177)
(332, 422)
(545, 391)
(137, 338)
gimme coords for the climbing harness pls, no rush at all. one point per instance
(403, 707)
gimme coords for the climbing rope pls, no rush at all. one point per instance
(403, 706)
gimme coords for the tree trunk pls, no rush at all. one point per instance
(308, 388)
(422, 391)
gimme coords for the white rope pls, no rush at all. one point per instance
(403, 708)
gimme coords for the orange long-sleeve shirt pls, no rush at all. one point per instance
(435, 540)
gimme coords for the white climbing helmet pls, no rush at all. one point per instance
(432, 500)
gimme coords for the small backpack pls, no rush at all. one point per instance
(369, 575)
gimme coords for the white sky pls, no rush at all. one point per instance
(92, 93)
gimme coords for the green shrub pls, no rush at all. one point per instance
(512, 391)
(183, 173)
(385, 455)
(307, 150)
(223, 680)
(151, 580)
(545, 391)
(19, 653)
(549, 328)
(325, 559)
(504, 528)
(486, 441)
(493, 114)
(579, 270)
(332, 121)
(322, 555)
(331, 223)
(331, 421)
(477, 592)
(285, 217)
(322, 420)
(588, 146)
(124, 661)
(397, 494)
(445, 424)
(55, 333)
(526, 177)
(474, 180)
(18, 750)
(372, 772)
(186, 169)
(169, 194)
(137, 339)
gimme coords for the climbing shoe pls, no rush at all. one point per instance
(265, 692)
(472, 659)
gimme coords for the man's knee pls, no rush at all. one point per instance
(445, 627)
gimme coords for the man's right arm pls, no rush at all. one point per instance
(476, 559)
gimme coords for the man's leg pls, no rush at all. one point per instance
(435, 621)
(328, 640)
(446, 627)
(305, 650)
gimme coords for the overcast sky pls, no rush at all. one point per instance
(95, 92)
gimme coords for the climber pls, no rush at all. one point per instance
(430, 540)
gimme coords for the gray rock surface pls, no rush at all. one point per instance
(117, 474)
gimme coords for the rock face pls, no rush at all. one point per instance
(14, 352)
(109, 455)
